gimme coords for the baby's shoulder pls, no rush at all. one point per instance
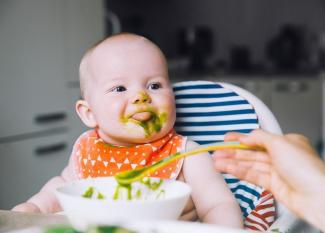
(88, 134)
(86, 137)
(190, 144)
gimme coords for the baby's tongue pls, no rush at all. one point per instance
(142, 116)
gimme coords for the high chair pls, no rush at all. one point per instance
(206, 111)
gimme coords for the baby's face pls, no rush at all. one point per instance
(130, 96)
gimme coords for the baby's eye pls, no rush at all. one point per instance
(154, 86)
(119, 89)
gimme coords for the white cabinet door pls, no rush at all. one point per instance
(27, 164)
(84, 25)
(32, 82)
(296, 103)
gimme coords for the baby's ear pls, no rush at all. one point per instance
(86, 114)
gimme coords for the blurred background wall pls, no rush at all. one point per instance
(274, 49)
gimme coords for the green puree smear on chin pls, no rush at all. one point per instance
(153, 125)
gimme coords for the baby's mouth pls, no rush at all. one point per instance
(142, 116)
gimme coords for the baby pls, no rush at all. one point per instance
(128, 102)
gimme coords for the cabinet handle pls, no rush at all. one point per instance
(44, 150)
(51, 117)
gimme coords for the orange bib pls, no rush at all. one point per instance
(92, 157)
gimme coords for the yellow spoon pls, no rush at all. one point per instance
(128, 177)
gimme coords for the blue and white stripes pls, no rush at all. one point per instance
(206, 111)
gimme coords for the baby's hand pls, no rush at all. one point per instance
(27, 207)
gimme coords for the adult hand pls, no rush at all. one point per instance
(288, 167)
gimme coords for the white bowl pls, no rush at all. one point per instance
(83, 212)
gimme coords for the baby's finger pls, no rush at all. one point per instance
(254, 165)
(296, 137)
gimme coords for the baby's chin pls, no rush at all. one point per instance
(141, 136)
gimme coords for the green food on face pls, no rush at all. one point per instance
(151, 126)
(154, 124)
(89, 193)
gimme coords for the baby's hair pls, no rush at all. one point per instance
(84, 69)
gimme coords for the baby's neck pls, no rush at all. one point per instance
(114, 142)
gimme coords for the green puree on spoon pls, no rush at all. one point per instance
(127, 177)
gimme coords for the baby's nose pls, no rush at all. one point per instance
(141, 98)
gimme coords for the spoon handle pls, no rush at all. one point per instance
(200, 149)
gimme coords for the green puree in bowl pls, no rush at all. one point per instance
(151, 185)
(90, 192)
(91, 229)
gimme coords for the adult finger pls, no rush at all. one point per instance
(245, 173)
(233, 136)
(261, 139)
(243, 155)
(254, 165)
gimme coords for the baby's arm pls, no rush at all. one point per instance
(213, 199)
(45, 201)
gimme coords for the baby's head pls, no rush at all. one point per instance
(126, 91)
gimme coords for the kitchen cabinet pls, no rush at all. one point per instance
(256, 85)
(297, 104)
(83, 27)
(296, 101)
(27, 164)
(41, 44)
(322, 78)
(32, 90)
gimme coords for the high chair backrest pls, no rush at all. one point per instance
(206, 111)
